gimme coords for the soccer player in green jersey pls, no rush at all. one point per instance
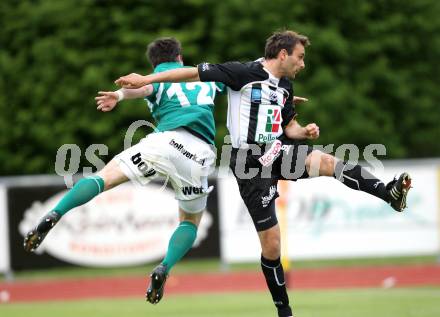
(181, 148)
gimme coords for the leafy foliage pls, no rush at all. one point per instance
(372, 72)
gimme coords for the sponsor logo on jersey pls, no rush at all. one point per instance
(273, 120)
(179, 147)
(256, 95)
(272, 154)
(189, 190)
(265, 138)
(273, 97)
(274, 151)
(271, 128)
(142, 166)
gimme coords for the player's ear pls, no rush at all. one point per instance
(180, 58)
(282, 54)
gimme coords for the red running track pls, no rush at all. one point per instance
(86, 288)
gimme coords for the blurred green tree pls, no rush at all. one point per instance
(372, 72)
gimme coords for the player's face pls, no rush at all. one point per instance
(294, 62)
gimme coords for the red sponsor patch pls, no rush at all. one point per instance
(272, 154)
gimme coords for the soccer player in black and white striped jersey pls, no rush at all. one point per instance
(261, 112)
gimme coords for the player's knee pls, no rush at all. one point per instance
(314, 163)
(112, 176)
(271, 249)
(192, 210)
(194, 218)
(108, 182)
(327, 165)
(270, 244)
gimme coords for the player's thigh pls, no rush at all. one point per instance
(112, 175)
(141, 162)
(192, 197)
(259, 196)
(192, 160)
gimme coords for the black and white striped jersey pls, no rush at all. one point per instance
(259, 104)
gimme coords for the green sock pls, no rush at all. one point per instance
(82, 192)
(180, 243)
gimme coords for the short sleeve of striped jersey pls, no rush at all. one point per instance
(232, 74)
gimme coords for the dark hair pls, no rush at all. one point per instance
(283, 40)
(163, 50)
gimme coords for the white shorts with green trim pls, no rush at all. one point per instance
(182, 158)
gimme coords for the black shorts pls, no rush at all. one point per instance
(258, 183)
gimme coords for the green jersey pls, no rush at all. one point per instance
(187, 105)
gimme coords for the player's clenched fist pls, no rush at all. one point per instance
(312, 131)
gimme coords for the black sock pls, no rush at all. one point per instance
(274, 274)
(358, 178)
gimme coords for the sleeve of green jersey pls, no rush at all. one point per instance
(220, 87)
(152, 97)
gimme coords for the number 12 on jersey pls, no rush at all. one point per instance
(205, 96)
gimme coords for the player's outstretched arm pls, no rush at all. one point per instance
(107, 100)
(174, 76)
(295, 131)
